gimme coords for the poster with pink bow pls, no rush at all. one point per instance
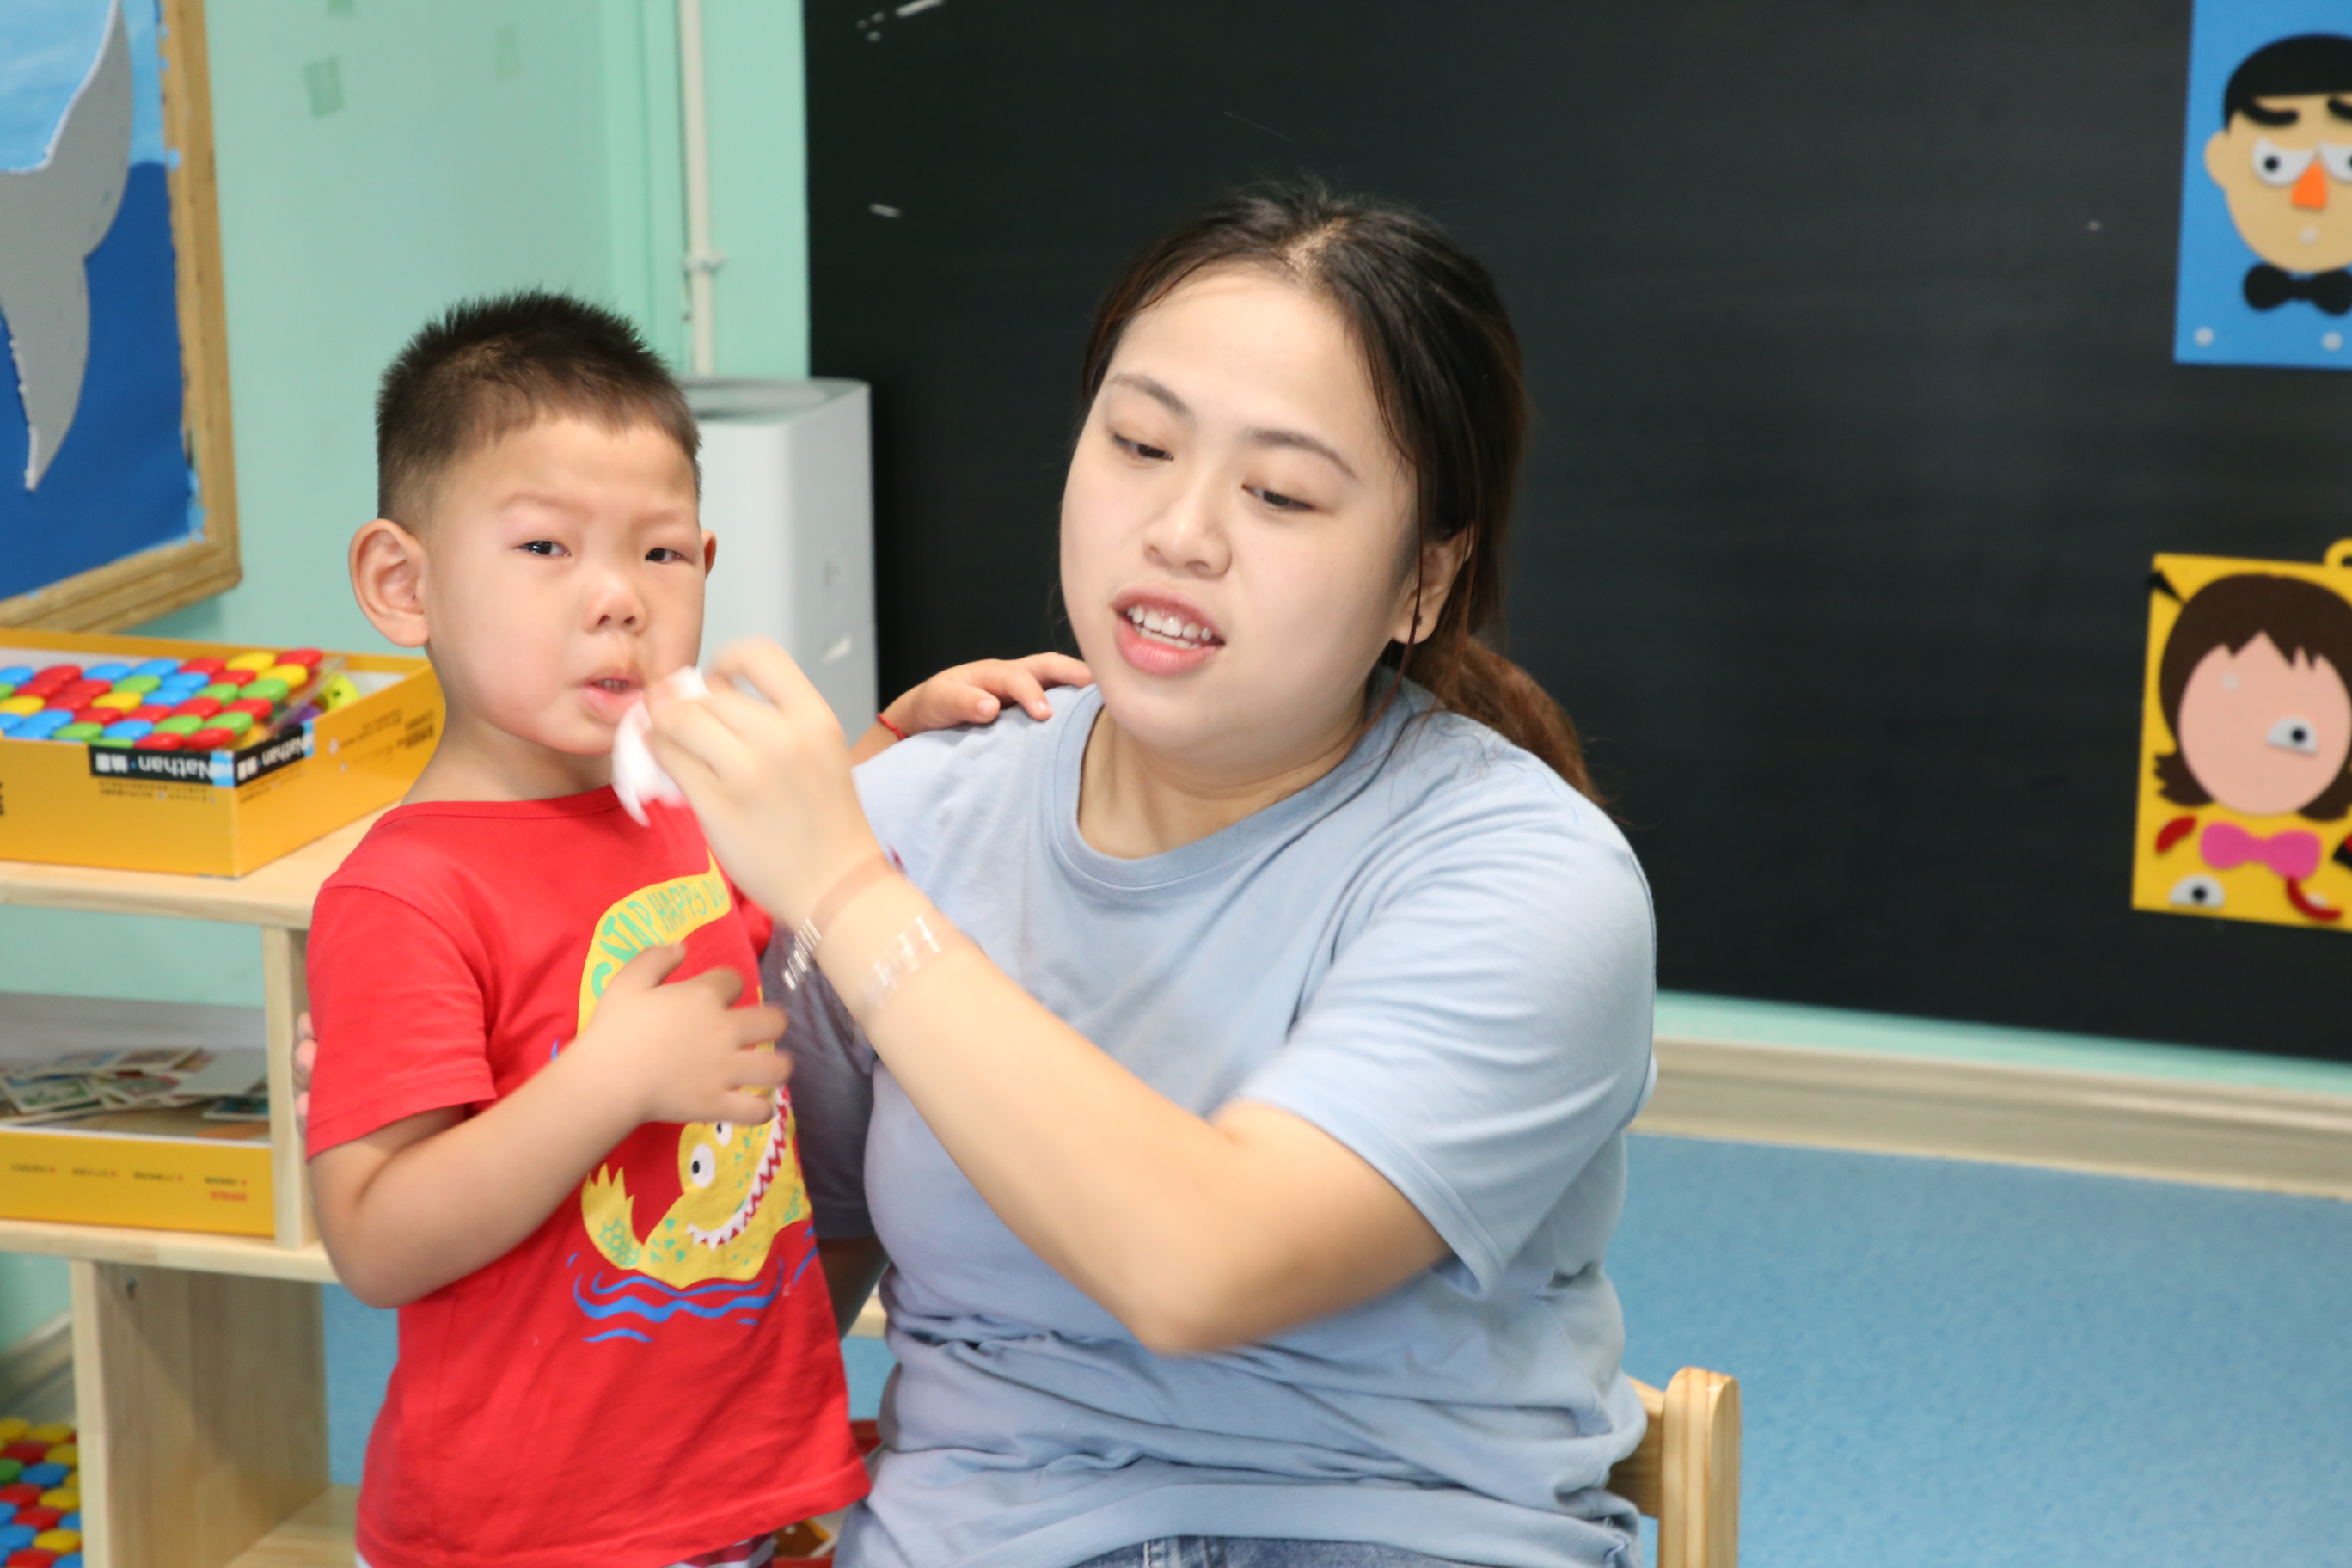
(2246, 805)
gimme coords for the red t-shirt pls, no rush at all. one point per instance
(653, 1373)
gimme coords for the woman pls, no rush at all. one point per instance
(1242, 1108)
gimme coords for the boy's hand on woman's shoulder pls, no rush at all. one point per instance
(974, 693)
(684, 1051)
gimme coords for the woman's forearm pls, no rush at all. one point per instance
(1194, 1233)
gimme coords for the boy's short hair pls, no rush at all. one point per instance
(2299, 67)
(491, 366)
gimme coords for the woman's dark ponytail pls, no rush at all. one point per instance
(1481, 683)
(1444, 364)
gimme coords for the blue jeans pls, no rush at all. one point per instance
(1230, 1552)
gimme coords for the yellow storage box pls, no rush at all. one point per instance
(218, 813)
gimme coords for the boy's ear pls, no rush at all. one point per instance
(709, 551)
(388, 579)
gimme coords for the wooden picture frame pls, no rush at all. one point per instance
(138, 588)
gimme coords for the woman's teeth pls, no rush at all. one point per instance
(1168, 629)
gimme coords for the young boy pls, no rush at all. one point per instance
(613, 1347)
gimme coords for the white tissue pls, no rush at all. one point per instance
(638, 779)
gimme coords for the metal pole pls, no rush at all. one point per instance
(701, 261)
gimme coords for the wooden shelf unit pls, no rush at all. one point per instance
(316, 1535)
(199, 1371)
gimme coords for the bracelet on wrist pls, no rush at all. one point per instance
(884, 720)
(909, 952)
(810, 932)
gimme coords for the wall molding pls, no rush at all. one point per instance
(2110, 1124)
(2172, 1130)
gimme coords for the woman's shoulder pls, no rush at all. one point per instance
(1454, 806)
(1446, 771)
(1468, 831)
(938, 759)
(924, 781)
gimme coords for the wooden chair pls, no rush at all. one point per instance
(1685, 1474)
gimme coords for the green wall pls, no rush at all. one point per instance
(32, 1291)
(378, 159)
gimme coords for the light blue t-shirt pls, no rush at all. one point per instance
(1439, 954)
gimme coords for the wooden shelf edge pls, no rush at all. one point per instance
(316, 1535)
(278, 894)
(2202, 1134)
(189, 1249)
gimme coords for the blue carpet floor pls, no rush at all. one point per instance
(1942, 1365)
(1948, 1364)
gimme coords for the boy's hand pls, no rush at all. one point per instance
(671, 1084)
(305, 1061)
(432, 1198)
(974, 693)
(685, 1052)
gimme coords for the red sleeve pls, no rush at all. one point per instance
(402, 1023)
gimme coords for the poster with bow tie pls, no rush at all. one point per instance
(2245, 800)
(2266, 186)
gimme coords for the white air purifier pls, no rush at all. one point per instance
(788, 488)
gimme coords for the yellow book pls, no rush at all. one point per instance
(168, 1169)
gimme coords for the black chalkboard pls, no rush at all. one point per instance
(1849, 324)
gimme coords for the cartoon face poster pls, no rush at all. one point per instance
(2266, 186)
(2246, 805)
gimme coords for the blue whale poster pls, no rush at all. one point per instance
(94, 465)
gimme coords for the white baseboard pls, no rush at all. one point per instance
(2116, 1124)
(2280, 1141)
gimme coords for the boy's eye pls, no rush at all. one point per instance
(664, 553)
(1149, 454)
(2277, 165)
(543, 547)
